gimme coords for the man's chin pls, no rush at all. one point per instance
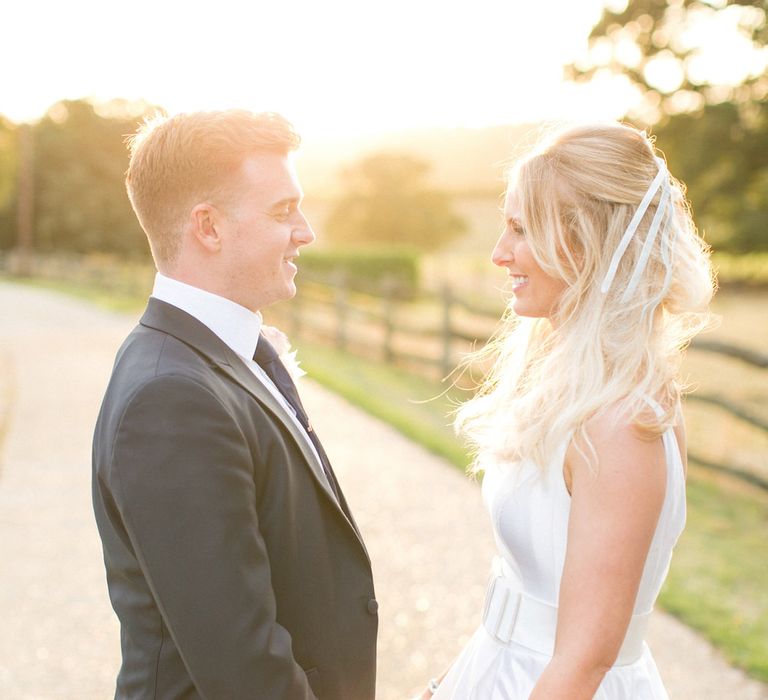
(282, 295)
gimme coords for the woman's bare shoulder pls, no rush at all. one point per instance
(617, 449)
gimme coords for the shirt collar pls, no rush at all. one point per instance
(237, 326)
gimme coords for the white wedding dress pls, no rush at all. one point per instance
(529, 513)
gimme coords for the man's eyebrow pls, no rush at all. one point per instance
(287, 201)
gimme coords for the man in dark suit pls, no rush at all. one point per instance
(233, 561)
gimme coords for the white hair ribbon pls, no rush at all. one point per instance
(668, 247)
(642, 261)
(661, 180)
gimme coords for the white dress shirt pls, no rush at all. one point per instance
(239, 328)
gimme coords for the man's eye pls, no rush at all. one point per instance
(282, 214)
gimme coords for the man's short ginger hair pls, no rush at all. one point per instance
(180, 161)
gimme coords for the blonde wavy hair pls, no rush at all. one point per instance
(578, 192)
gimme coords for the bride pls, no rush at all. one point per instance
(578, 428)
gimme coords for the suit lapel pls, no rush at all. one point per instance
(169, 319)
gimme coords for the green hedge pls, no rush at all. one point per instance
(749, 270)
(391, 272)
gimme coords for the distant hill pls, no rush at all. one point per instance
(465, 161)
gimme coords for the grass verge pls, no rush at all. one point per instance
(719, 572)
(415, 406)
(719, 576)
(104, 298)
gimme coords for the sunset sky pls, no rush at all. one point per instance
(332, 66)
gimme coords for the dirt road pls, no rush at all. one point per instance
(423, 522)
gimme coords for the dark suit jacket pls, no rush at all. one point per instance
(235, 572)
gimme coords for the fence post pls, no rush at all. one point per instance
(25, 199)
(446, 363)
(342, 308)
(388, 314)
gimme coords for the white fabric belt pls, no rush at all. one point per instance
(512, 616)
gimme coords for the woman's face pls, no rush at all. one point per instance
(536, 292)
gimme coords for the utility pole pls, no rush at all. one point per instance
(26, 201)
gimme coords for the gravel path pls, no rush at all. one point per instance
(423, 522)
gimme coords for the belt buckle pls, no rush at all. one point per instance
(502, 605)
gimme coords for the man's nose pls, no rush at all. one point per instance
(303, 234)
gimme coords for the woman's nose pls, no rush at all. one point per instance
(502, 252)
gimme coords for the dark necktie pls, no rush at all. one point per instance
(266, 357)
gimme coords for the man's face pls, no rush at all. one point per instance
(265, 229)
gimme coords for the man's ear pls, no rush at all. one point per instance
(207, 223)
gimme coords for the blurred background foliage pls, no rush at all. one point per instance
(8, 183)
(425, 190)
(387, 200)
(714, 133)
(79, 165)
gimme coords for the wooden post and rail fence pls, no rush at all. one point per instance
(429, 335)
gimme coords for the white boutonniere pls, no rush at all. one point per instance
(282, 346)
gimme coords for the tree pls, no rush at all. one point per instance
(8, 175)
(389, 203)
(80, 200)
(661, 46)
(713, 132)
